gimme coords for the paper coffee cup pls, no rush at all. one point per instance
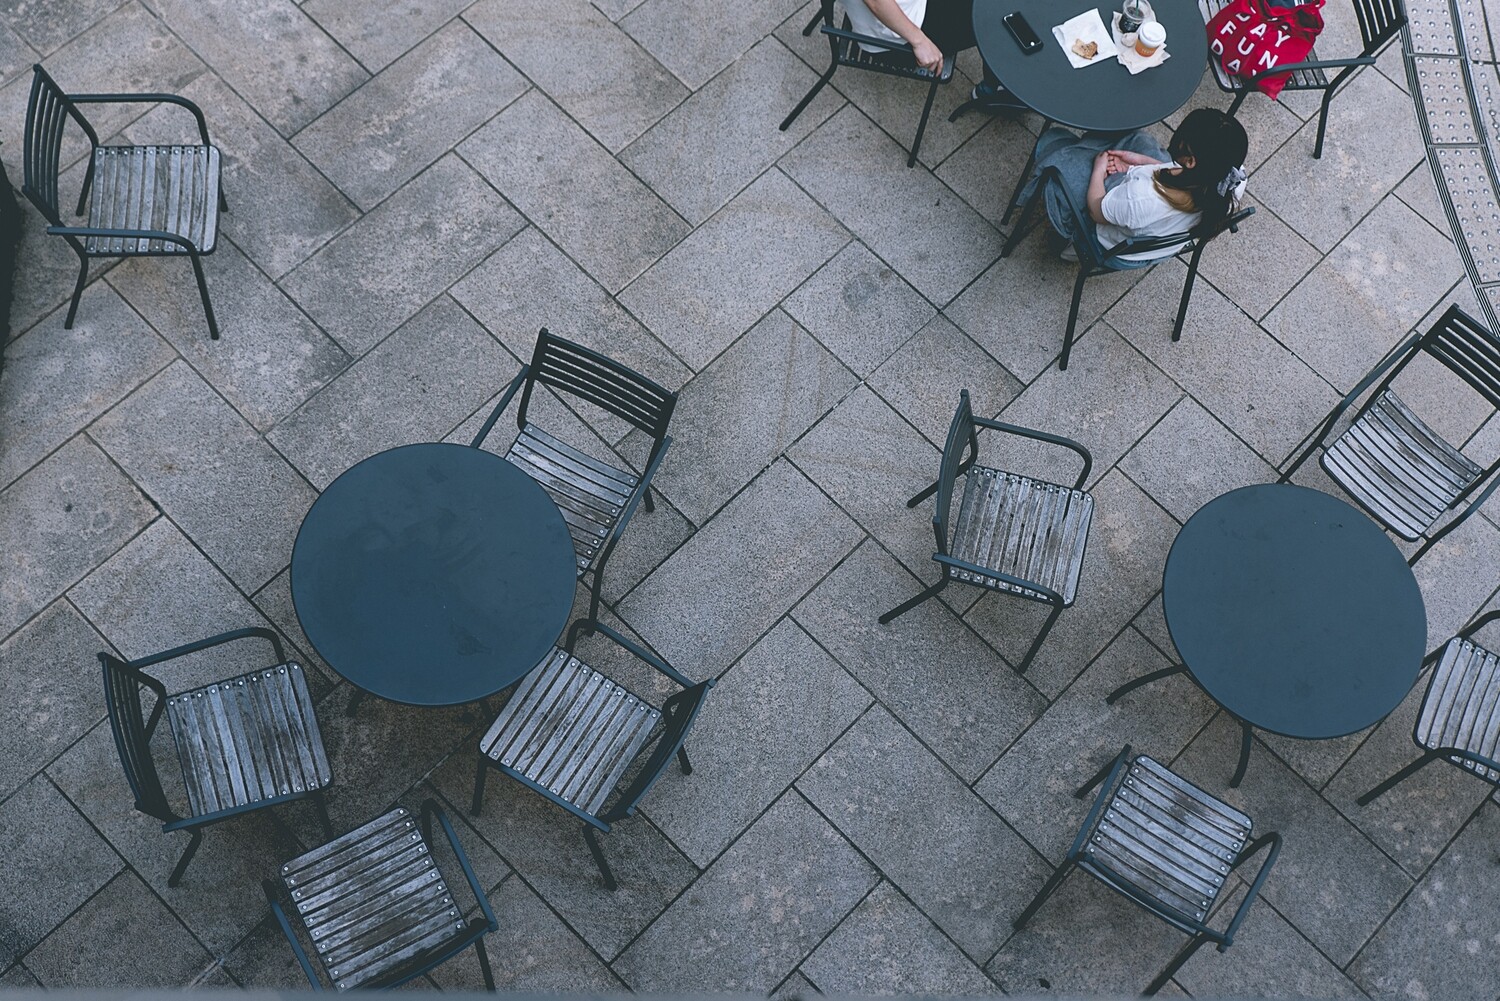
(1149, 38)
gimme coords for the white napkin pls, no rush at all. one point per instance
(1132, 60)
(1087, 27)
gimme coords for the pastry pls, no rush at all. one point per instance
(1086, 50)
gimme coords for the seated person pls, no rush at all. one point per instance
(931, 27)
(1132, 188)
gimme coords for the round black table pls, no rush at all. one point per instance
(433, 574)
(1294, 611)
(1103, 97)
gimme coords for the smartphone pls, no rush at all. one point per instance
(1023, 33)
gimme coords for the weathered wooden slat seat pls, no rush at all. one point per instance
(1013, 534)
(243, 744)
(248, 739)
(376, 906)
(1398, 468)
(1460, 715)
(174, 189)
(1166, 845)
(591, 494)
(572, 734)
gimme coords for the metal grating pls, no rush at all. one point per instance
(1445, 98)
(1476, 35)
(1431, 27)
(1476, 211)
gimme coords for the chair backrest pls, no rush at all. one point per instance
(1379, 22)
(1468, 350)
(962, 432)
(677, 714)
(47, 115)
(123, 688)
(573, 369)
(1196, 237)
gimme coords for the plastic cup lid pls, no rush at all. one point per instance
(1152, 33)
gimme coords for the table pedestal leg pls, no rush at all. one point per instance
(1239, 772)
(1144, 679)
(354, 701)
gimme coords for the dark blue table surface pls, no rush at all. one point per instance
(433, 574)
(1294, 611)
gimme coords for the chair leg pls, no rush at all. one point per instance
(1187, 293)
(1183, 956)
(922, 495)
(648, 503)
(1322, 125)
(916, 144)
(88, 182)
(187, 856)
(223, 202)
(1010, 207)
(1083, 274)
(1401, 776)
(802, 104)
(1093, 783)
(321, 803)
(1144, 679)
(683, 762)
(208, 307)
(354, 702)
(1022, 228)
(817, 17)
(1239, 99)
(1053, 882)
(83, 276)
(1041, 637)
(1239, 770)
(481, 772)
(484, 965)
(594, 850)
(913, 602)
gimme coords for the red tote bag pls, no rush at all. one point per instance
(1251, 36)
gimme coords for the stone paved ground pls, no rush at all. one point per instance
(418, 187)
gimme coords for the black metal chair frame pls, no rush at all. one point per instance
(46, 118)
(1201, 933)
(1380, 21)
(474, 935)
(1430, 755)
(1468, 350)
(670, 741)
(1246, 730)
(898, 60)
(566, 367)
(964, 433)
(123, 681)
(1094, 260)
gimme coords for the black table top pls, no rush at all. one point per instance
(433, 574)
(1294, 611)
(1103, 97)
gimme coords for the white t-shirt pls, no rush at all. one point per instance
(864, 22)
(1135, 208)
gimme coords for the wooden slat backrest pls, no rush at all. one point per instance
(1468, 350)
(46, 116)
(573, 369)
(123, 688)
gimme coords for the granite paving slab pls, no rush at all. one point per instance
(19, 978)
(270, 52)
(1166, 462)
(416, 385)
(46, 266)
(409, 115)
(859, 308)
(56, 381)
(1451, 589)
(274, 601)
(757, 911)
(603, 217)
(15, 54)
(697, 46)
(379, 272)
(210, 472)
(722, 137)
(601, 76)
(378, 32)
(1260, 265)
(47, 24)
(716, 283)
(65, 861)
(1420, 195)
(985, 169)
(58, 522)
(930, 836)
(922, 381)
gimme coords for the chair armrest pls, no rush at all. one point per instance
(430, 809)
(1100, 798)
(1474, 505)
(510, 391)
(1315, 64)
(1053, 439)
(1405, 347)
(1274, 841)
(979, 571)
(1468, 631)
(632, 648)
(147, 99)
(635, 499)
(213, 641)
(124, 234)
(870, 43)
(286, 929)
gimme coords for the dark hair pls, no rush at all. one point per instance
(1217, 143)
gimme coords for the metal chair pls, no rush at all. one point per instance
(142, 201)
(376, 906)
(1165, 845)
(570, 733)
(847, 47)
(1095, 260)
(1460, 715)
(1402, 472)
(1014, 534)
(596, 498)
(1380, 21)
(245, 743)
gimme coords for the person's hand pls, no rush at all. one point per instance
(1115, 165)
(1103, 162)
(1131, 158)
(929, 56)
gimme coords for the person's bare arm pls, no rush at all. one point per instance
(929, 56)
(1096, 187)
